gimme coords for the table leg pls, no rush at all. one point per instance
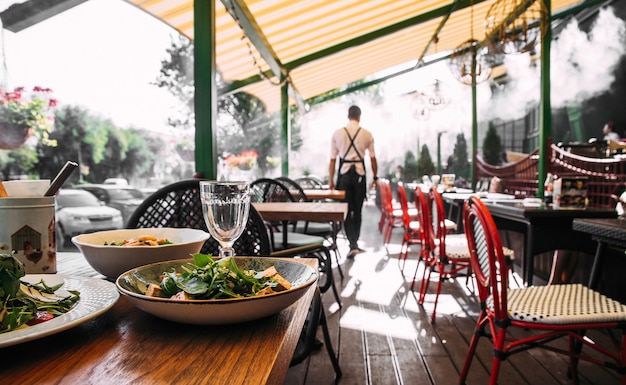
(597, 265)
(528, 268)
(285, 229)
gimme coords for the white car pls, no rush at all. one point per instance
(78, 212)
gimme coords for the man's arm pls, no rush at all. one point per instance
(374, 169)
(331, 174)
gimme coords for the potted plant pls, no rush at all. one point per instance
(24, 114)
(244, 161)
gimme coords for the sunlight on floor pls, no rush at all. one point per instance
(373, 321)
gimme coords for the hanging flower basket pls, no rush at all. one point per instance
(13, 136)
(23, 115)
(244, 161)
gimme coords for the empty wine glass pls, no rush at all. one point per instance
(225, 206)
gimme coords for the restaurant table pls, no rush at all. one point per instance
(128, 346)
(455, 201)
(545, 229)
(285, 212)
(606, 232)
(324, 194)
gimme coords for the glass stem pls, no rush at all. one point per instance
(227, 251)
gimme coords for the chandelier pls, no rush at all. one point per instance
(470, 60)
(419, 106)
(515, 26)
(437, 95)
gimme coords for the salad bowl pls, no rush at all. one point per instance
(111, 261)
(134, 283)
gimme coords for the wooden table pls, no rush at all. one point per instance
(324, 194)
(545, 229)
(127, 346)
(606, 232)
(456, 200)
(302, 211)
(285, 212)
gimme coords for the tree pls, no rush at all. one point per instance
(101, 149)
(242, 121)
(492, 146)
(425, 165)
(458, 162)
(410, 167)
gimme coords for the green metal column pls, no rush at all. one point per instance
(285, 121)
(474, 119)
(545, 107)
(205, 89)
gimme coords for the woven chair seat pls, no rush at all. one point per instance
(562, 304)
(456, 247)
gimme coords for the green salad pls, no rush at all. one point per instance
(207, 278)
(24, 303)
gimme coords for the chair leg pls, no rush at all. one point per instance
(329, 347)
(439, 283)
(478, 331)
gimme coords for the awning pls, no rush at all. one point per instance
(323, 45)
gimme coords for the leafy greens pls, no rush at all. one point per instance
(210, 279)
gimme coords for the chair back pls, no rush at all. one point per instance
(295, 189)
(386, 198)
(310, 182)
(269, 190)
(179, 205)
(438, 219)
(486, 256)
(404, 205)
(424, 218)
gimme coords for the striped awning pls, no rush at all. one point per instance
(323, 45)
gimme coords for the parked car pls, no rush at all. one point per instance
(78, 212)
(124, 198)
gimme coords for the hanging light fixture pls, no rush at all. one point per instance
(516, 26)
(437, 95)
(471, 61)
(419, 106)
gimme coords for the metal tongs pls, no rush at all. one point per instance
(61, 177)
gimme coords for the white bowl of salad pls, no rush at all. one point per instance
(113, 252)
(204, 291)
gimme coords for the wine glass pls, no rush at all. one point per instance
(225, 206)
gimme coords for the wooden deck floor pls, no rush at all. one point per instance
(384, 337)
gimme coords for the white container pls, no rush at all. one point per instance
(26, 188)
(27, 228)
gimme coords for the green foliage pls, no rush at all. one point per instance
(492, 146)
(11, 270)
(410, 167)
(243, 122)
(458, 162)
(102, 149)
(425, 165)
(21, 161)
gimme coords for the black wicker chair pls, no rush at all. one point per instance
(328, 230)
(179, 205)
(271, 190)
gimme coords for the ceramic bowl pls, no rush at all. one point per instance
(112, 261)
(133, 284)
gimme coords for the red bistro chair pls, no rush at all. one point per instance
(550, 312)
(447, 253)
(390, 216)
(412, 233)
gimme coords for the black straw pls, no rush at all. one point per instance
(61, 178)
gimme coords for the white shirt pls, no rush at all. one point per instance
(364, 142)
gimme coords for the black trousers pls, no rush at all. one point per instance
(355, 187)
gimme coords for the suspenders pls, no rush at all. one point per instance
(342, 160)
